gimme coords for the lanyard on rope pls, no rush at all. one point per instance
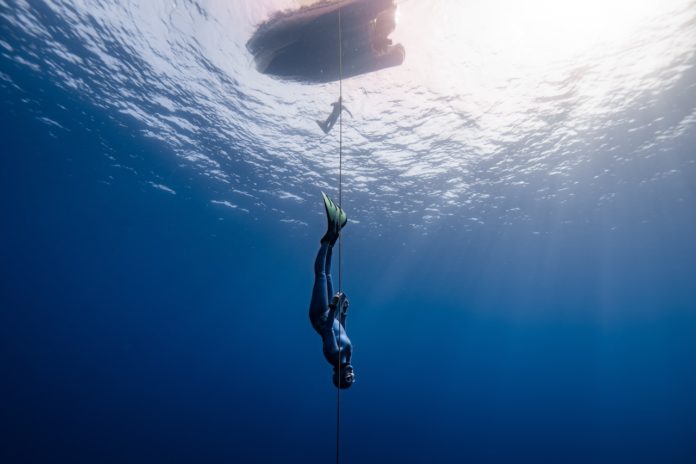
(340, 241)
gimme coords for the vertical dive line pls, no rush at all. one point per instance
(340, 148)
(340, 242)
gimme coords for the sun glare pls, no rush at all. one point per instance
(483, 48)
(526, 33)
(498, 59)
(546, 29)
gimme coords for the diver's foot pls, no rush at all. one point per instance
(336, 220)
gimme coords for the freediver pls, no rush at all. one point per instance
(327, 125)
(322, 313)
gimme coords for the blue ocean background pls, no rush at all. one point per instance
(522, 271)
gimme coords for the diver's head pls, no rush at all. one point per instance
(347, 377)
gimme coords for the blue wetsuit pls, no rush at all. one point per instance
(322, 315)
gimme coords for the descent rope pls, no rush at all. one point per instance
(340, 241)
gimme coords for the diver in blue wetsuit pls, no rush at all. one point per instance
(329, 317)
(327, 125)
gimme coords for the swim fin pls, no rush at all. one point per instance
(336, 219)
(322, 126)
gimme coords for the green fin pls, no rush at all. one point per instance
(335, 216)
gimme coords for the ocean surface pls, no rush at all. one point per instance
(520, 254)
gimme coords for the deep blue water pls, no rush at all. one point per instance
(138, 325)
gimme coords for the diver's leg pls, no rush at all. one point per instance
(319, 304)
(330, 122)
(327, 271)
(336, 220)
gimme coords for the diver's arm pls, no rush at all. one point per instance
(348, 353)
(348, 111)
(331, 314)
